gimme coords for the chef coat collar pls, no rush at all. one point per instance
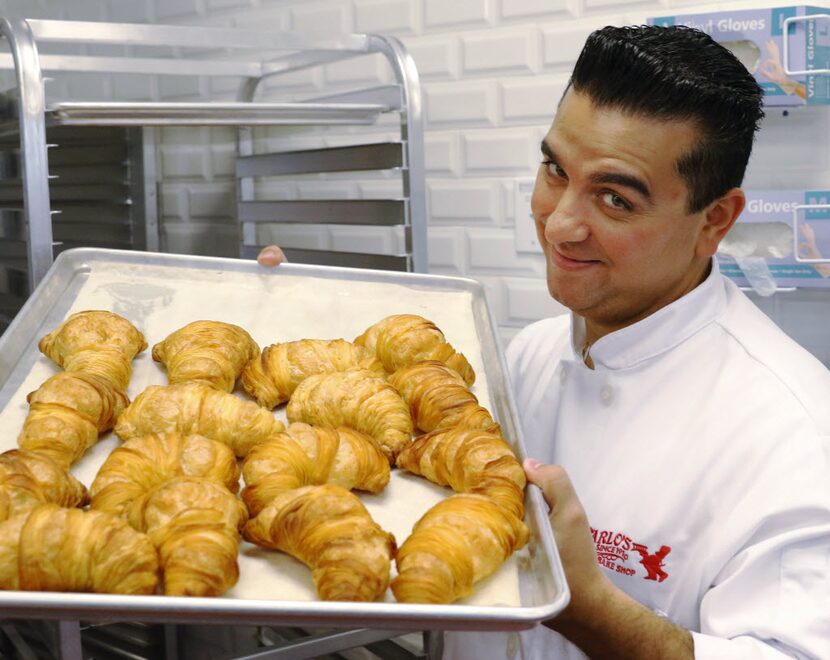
(664, 329)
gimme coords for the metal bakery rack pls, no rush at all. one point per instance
(82, 172)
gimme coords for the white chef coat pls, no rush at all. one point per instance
(699, 446)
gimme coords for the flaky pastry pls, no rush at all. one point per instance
(306, 455)
(469, 461)
(272, 377)
(328, 529)
(29, 479)
(455, 544)
(95, 342)
(438, 398)
(359, 399)
(142, 463)
(196, 408)
(403, 339)
(194, 523)
(211, 352)
(55, 549)
(67, 414)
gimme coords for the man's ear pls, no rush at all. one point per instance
(720, 216)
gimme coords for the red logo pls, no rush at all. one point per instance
(613, 553)
(653, 562)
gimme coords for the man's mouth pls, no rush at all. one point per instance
(570, 263)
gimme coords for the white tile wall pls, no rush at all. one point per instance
(492, 72)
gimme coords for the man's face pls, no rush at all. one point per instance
(610, 212)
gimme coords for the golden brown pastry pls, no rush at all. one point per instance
(458, 542)
(402, 339)
(144, 462)
(95, 342)
(56, 549)
(469, 461)
(438, 398)
(359, 399)
(68, 413)
(211, 352)
(194, 523)
(307, 455)
(328, 529)
(273, 376)
(196, 408)
(29, 479)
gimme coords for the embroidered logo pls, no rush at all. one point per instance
(653, 562)
(613, 552)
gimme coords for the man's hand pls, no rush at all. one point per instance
(601, 619)
(589, 585)
(271, 255)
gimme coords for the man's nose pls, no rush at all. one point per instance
(566, 223)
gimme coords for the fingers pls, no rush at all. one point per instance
(555, 484)
(271, 255)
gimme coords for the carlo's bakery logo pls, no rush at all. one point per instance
(615, 548)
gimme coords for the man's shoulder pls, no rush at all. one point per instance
(777, 357)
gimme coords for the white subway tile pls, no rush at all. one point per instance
(563, 43)
(464, 102)
(493, 250)
(371, 69)
(434, 56)
(178, 87)
(462, 200)
(320, 19)
(497, 50)
(441, 153)
(523, 8)
(447, 250)
(184, 161)
(440, 13)
(212, 200)
(529, 300)
(500, 150)
(532, 99)
(384, 16)
(133, 88)
(173, 202)
(223, 159)
(228, 4)
(217, 239)
(129, 11)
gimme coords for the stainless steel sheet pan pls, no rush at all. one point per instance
(162, 292)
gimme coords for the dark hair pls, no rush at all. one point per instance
(679, 73)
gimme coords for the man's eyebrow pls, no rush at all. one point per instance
(623, 180)
(626, 180)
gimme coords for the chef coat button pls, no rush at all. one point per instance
(606, 395)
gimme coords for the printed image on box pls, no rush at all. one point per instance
(760, 249)
(756, 38)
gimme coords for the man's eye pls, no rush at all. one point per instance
(615, 201)
(554, 169)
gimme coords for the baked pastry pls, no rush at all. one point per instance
(196, 408)
(455, 544)
(402, 339)
(144, 462)
(96, 342)
(438, 398)
(55, 549)
(307, 455)
(67, 414)
(211, 352)
(469, 461)
(359, 399)
(328, 529)
(194, 523)
(29, 479)
(273, 376)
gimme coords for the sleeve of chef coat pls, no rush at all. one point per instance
(771, 599)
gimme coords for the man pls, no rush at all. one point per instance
(694, 431)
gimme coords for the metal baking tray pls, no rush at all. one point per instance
(161, 292)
